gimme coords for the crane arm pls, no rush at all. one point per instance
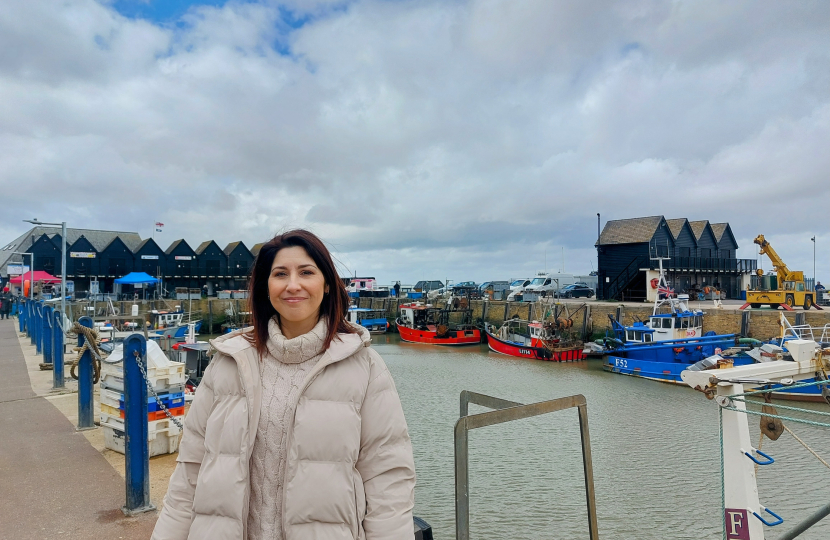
(766, 249)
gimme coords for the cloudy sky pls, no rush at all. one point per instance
(421, 139)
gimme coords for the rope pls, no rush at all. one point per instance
(790, 387)
(91, 342)
(791, 419)
(722, 474)
(787, 407)
(805, 445)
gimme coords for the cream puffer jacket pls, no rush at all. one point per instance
(349, 473)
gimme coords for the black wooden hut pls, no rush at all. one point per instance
(181, 265)
(150, 258)
(211, 261)
(82, 263)
(47, 254)
(240, 263)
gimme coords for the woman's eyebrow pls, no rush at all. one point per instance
(300, 266)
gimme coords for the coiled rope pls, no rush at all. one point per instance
(91, 342)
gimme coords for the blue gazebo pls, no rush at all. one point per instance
(137, 278)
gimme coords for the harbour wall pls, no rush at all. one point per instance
(763, 323)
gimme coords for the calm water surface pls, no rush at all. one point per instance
(655, 451)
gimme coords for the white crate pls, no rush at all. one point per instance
(163, 435)
(114, 439)
(162, 378)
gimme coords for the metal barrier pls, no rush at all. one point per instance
(38, 326)
(46, 332)
(137, 449)
(57, 349)
(86, 419)
(507, 411)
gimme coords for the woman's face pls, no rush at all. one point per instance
(296, 288)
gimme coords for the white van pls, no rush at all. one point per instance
(546, 284)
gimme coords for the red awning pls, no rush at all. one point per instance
(36, 276)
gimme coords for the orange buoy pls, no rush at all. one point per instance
(654, 283)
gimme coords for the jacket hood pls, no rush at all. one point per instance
(342, 346)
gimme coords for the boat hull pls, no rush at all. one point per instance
(669, 372)
(535, 353)
(429, 337)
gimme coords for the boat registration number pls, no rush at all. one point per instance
(526, 352)
(620, 362)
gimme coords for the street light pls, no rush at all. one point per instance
(814, 262)
(63, 260)
(23, 274)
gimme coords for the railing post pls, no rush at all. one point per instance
(21, 316)
(57, 349)
(137, 450)
(38, 327)
(46, 332)
(85, 374)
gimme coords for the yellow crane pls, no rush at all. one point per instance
(791, 290)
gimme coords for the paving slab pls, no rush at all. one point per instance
(55, 483)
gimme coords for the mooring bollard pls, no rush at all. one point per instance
(46, 332)
(137, 448)
(85, 373)
(57, 349)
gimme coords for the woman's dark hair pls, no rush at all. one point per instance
(335, 304)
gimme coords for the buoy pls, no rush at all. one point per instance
(654, 283)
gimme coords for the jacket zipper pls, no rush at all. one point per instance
(315, 372)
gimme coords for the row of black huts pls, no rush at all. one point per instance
(102, 256)
(696, 255)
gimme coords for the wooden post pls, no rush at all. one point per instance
(210, 316)
(506, 310)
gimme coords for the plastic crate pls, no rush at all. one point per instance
(171, 398)
(162, 378)
(153, 427)
(159, 443)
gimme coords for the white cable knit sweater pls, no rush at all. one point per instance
(283, 371)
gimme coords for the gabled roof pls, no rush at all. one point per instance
(698, 227)
(144, 243)
(233, 245)
(176, 244)
(99, 240)
(721, 229)
(204, 245)
(256, 248)
(629, 231)
(676, 225)
(116, 239)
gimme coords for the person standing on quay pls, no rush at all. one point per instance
(397, 289)
(6, 300)
(296, 431)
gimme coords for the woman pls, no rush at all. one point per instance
(296, 431)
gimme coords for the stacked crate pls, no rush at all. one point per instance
(167, 378)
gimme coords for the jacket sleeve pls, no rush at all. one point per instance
(385, 461)
(175, 516)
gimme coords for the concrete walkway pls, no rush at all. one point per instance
(53, 482)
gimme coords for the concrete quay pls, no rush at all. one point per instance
(56, 482)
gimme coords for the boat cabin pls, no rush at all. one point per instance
(687, 324)
(165, 319)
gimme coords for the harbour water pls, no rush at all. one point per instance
(655, 451)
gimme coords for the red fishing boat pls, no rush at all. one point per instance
(423, 323)
(535, 340)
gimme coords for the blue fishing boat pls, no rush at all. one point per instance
(373, 320)
(670, 341)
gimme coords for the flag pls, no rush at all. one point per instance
(158, 230)
(159, 224)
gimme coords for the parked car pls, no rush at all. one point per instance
(495, 290)
(576, 291)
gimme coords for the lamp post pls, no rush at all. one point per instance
(63, 261)
(31, 271)
(814, 262)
